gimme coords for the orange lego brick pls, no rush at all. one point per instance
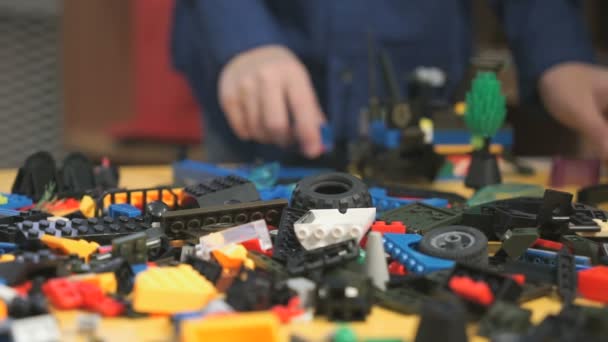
(254, 326)
(3, 310)
(170, 290)
(137, 197)
(82, 248)
(232, 257)
(7, 257)
(106, 281)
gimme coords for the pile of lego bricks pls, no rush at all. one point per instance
(223, 265)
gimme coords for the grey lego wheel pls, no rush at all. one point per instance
(335, 190)
(459, 243)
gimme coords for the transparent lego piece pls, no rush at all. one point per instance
(252, 230)
(322, 227)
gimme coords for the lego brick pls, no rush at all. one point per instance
(442, 321)
(344, 296)
(137, 197)
(232, 257)
(538, 256)
(82, 248)
(100, 230)
(28, 265)
(503, 287)
(220, 191)
(64, 294)
(208, 269)
(582, 246)
(419, 217)
(235, 235)
(123, 209)
(566, 276)
(322, 258)
(395, 227)
(15, 201)
(476, 291)
(515, 242)
(171, 290)
(401, 247)
(257, 290)
(178, 222)
(322, 227)
(258, 326)
(132, 248)
(43, 328)
(592, 283)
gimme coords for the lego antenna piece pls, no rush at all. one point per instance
(322, 227)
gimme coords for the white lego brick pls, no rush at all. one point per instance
(322, 227)
(41, 328)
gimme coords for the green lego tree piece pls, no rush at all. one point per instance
(486, 106)
(344, 334)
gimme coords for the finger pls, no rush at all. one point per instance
(274, 109)
(234, 114)
(307, 114)
(251, 107)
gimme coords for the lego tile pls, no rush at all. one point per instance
(171, 290)
(123, 209)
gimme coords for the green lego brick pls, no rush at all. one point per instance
(420, 218)
(516, 241)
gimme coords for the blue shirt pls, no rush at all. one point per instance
(330, 38)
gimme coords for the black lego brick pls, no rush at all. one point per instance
(322, 258)
(287, 243)
(220, 191)
(179, 222)
(101, 230)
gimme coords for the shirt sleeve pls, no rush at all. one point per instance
(229, 27)
(543, 33)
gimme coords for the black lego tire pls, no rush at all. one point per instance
(475, 249)
(335, 190)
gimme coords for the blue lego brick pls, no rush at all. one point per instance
(276, 192)
(539, 256)
(402, 248)
(327, 138)
(8, 212)
(16, 201)
(383, 202)
(504, 137)
(7, 247)
(123, 209)
(382, 135)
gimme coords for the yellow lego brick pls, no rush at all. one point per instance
(106, 281)
(254, 326)
(87, 206)
(233, 256)
(82, 248)
(460, 108)
(170, 290)
(7, 257)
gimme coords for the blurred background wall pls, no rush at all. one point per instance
(95, 76)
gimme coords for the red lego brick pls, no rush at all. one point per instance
(395, 227)
(519, 278)
(475, 291)
(24, 288)
(254, 245)
(395, 268)
(91, 294)
(548, 244)
(593, 283)
(63, 294)
(109, 307)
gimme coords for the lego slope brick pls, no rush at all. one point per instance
(593, 283)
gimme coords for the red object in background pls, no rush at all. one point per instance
(164, 109)
(396, 227)
(476, 291)
(593, 283)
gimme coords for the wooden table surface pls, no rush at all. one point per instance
(381, 323)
